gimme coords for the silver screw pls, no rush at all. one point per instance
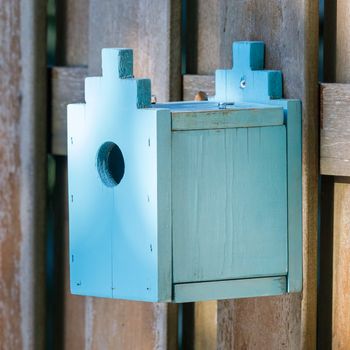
(224, 105)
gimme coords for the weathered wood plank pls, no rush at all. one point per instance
(335, 129)
(23, 173)
(249, 287)
(72, 20)
(329, 39)
(290, 323)
(67, 86)
(342, 45)
(341, 248)
(235, 117)
(257, 325)
(192, 84)
(341, 263)
(205, 330)
(155, 40)
(71, 336)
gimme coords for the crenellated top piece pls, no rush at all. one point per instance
(118, 62)
(247, 81)
(118, 79)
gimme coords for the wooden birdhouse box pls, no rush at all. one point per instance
(185, 201)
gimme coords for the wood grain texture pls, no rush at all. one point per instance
(216, 24)
(330, 40)
(67, 86)
(342, 74)
(341, 263)
(341, 249)
(71, 335)
(229, 195)
(193, 83)
(205, 322)
(239, 116)
(335, 129)
(23, 173)
(249, 287)
(258, 325)
(72, 20)
(154, 38)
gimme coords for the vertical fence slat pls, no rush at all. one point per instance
(23, 173)
(70, 334)
(72, 24)
(290, 31)
(341, 223)
(341, 262)
(151, 28)
(72, 32)
(342, 41)
(205, 321)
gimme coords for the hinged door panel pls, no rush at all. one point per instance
(229, 183)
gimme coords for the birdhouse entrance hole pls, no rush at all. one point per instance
(110, 164)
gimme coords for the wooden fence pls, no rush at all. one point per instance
(179, 65)
(334, 293)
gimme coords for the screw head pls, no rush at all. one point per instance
(224, 105)
(153, 99)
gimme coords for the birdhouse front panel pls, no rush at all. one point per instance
(229, 202)
(185, 201)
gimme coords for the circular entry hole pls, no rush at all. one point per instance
(110, 164)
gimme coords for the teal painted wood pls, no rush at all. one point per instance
(193, 194)
(246, 81)
(120, 237)
(238, 116)
(292, 111)
(231, 289)
(229, 200)
(266, 87)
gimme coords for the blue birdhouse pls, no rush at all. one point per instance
(185, 201)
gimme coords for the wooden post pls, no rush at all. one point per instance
(72, 32)
(341, 262)
(23, 173)
(290, 31)
(341, 227)
(152, 29)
